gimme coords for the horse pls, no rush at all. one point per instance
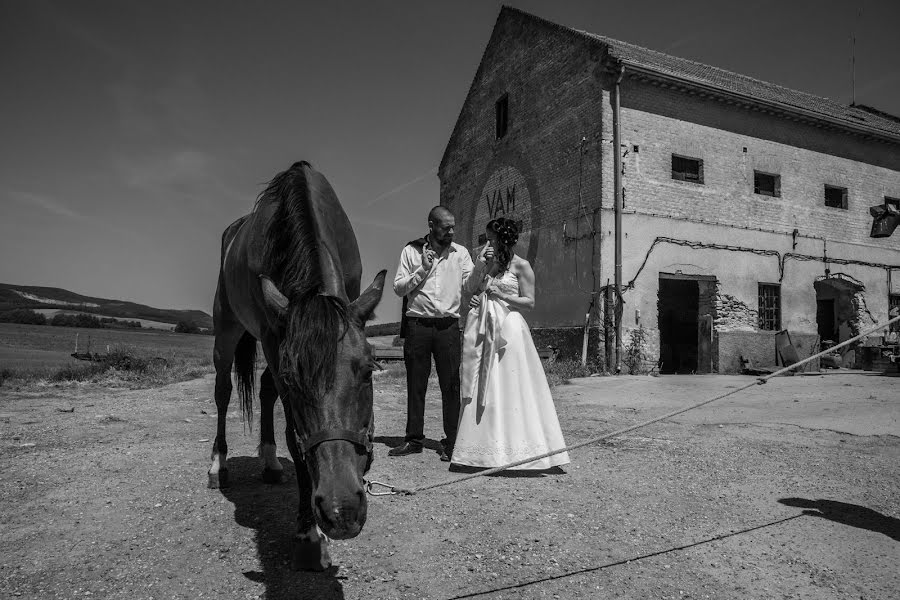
(289, 278)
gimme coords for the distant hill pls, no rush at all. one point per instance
(36, 297)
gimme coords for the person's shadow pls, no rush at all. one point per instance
(271, 510)
(848, 514)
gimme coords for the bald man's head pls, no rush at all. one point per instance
(441, 225)
(439, 212)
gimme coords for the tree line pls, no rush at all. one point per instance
(26, 316)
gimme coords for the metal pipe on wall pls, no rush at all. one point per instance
(617, 183)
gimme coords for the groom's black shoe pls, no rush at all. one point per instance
(446, 454)
(404, 449)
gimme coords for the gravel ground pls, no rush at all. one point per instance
(788, 490)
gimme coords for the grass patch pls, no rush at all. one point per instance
(394, 371)
(559, 372)
(122, 366)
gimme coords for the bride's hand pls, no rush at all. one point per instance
(494, 293)
(487, 254)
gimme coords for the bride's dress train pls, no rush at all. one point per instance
(507, 411)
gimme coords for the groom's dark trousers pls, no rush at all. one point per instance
(440, 338)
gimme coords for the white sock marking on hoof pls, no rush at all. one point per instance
(218, 463)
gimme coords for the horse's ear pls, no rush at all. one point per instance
(275, 300)
(364, 306)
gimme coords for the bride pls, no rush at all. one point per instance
(507, 412)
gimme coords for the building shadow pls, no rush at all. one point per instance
(848, 514)
(271, 511)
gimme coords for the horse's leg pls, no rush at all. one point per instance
(227, 337)
(268, 394)
(310, 551)
(310, 548)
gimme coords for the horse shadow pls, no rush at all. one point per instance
(848, 514)
(271, 511)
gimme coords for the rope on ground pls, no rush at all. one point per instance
(392, 490)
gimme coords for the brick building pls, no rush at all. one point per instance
(745, 206)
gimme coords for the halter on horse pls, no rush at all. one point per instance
(290, 279)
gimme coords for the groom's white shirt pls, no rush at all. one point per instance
(435, 293)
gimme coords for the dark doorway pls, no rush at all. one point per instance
(825, 320)
(678, 310)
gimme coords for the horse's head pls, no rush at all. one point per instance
(326, 369)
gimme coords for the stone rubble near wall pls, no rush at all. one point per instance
(733, 315)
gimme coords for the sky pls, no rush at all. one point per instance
(133, 132)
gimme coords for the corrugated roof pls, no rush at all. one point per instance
(742, 85)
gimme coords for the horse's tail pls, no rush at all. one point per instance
(245, 371)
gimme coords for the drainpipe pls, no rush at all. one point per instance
(617, 183)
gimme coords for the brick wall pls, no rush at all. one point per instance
(733, 142)
(554, 101)
(564, 190)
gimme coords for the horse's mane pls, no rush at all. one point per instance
(315, 322)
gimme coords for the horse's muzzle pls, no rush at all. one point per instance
(340, 516)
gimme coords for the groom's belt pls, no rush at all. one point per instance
(433, 320)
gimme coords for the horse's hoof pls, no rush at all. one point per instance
(218, 480)
(271, 476)
(310, 556)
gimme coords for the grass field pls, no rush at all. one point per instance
(62, 339)
(43, 353)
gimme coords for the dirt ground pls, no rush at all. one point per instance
(787, 490)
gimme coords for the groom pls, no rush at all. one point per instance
(431, 277)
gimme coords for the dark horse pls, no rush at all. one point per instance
(290, 278)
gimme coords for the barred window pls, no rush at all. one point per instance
(767, 184)
(769, 306)
(835, 197)
(685, 168)
(894, 302)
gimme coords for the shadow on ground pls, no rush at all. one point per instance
(848, 514)
(271, 511)
(394, 441)
(464, 469)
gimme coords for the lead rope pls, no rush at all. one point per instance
(393, 490)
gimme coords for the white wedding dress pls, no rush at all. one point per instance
(507, 412)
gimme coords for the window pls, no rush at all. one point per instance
(894, 201)
(769, 306)
(502, 112)
(767, 184)
(687, 169)
(835, 197)
(894, 302)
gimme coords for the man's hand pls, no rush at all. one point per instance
(475, 302)
(427, 258)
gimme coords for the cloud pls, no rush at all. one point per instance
(403, 186)
(46, 204)
(59, 209)
(176, 108)
(178, 175)
(381, 224)
(77, 30)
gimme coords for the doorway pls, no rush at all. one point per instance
(686, 310)
(825, 320)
